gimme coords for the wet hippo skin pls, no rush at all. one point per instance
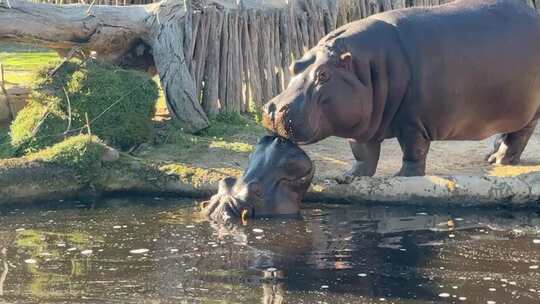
(462, 71)
(274, 183)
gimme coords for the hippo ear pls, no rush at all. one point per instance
(300, 65)
(345, 61)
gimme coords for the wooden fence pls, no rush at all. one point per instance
(240, 57)
(96, 2)
(239, 51)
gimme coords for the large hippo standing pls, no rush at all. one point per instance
(460, 71)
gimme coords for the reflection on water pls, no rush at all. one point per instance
(152, 250)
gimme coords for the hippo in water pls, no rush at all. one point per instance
(277, 178)
(465, 70)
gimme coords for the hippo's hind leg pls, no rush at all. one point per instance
(508, 147)
(366, 158)
(415, 147)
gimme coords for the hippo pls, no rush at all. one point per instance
(465, 70)
(274, 183)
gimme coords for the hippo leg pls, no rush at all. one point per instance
(415, 147)
(508, 147)
(499, 138)
(366, 156)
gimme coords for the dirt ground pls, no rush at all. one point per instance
(333, 156)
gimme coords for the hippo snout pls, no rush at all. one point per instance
(269, 112)
(273, 117)
(229, 202)
(278, 176)
(249, 191)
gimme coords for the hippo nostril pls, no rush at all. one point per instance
(254, 189)
(272, 107)
(271, 110)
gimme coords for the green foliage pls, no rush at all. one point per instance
(227, 131)
(230, 139)
(119, 104)
(227, 124)
(38, 125)
(81, 152)
(5, 146)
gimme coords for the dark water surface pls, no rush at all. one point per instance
(145, 250)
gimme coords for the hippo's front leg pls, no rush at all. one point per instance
(415, 147)
(366, 157)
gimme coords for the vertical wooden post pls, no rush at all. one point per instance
(255, 67)
(223, 61)
(192, 42)
(285, 35)
(5, 92)
(210, 99)
(245, 51)
(201, 51)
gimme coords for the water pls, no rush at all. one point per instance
(146, 250)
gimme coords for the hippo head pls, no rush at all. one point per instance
(278, 175)
(325, 97)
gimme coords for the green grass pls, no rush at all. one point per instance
(119, 104)
(80, 152)
(226, 131)
(228, 124)
(6, 150)
(20, 62)
(226, 143)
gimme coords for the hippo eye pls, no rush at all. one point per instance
(322, 76)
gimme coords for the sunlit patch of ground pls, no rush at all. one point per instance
(511, 171)
(21, 62)
(162, 113)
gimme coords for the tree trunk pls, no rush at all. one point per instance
(176, 81)
(140, 36)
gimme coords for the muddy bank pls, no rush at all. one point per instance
(432, 190)
(31, 180)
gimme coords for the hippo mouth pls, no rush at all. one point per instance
(302, 133)
(225, 208)
(287, 130)
(224, 205)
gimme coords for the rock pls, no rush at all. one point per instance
(110, 154)
(11, 104)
